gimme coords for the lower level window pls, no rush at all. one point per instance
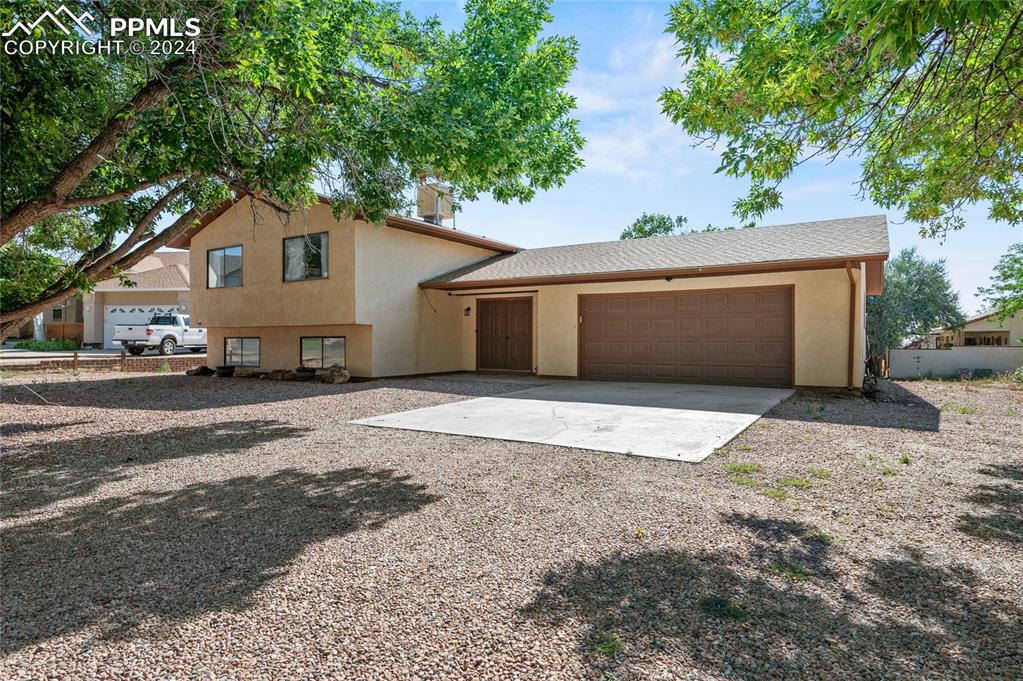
(241, 352)
(318, 351)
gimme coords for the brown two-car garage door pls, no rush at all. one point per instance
(729, 336)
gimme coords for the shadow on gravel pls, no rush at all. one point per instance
(136, 564)
(163, 392)
(36, 475)
(1004, 503)
(732, 613)
(892, 407)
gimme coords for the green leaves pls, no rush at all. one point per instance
(355, 96)
(928, 94)
(1005, 294)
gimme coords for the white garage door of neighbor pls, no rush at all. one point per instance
(129, 314)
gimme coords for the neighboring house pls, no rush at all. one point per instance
(773, 306)
(161, 287)
(980, 330)
(61, 322)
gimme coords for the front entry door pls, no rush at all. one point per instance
(505, 330)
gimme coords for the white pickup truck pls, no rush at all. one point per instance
(164, 332)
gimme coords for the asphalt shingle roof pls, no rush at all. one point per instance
(165, 270)
(822, 240)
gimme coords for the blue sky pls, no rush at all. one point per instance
(637, 161)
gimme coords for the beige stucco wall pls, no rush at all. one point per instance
(372, 288)
(264, 298)
(93, 304)
(821, 321)
(414, 330)
(279, 346)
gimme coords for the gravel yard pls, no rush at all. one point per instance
(178, 527)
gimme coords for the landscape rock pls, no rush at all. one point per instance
(332, 375)
(199, 371)
(282, 375)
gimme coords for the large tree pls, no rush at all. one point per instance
(928, 94)
(108, 157)
(1005, 294)
(918, 297)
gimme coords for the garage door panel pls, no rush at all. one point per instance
(663, 327)
(772, 326)
(772, 300)
(733, 337)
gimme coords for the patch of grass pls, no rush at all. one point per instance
(775, 493)
(743, 467)
(792, 571)
(717, 605)
(745, 448)
(124, 381)
(743, 480)
(821, 538)
(721, 451)
(640, 533)
(163, 368)
(888, 470)
(904, 459)
(958, 408)
(607, 644)
(793, 482)
(822, 473)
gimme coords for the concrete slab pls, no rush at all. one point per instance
(669, 421)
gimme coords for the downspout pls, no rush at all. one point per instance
(852, 323)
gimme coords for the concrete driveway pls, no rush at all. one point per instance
(669, 421)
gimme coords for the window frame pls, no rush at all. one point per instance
(301, 339)
(284, 263)
(241, 279)
(55, 312)
(259, 352)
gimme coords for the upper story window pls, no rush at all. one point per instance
(224, 267)
(305, 257)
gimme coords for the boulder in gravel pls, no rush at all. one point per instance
(332, 375)
(282, 375)
(247, 373)
(199, 371)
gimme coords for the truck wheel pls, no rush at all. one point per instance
(168, 346)
(136, 350)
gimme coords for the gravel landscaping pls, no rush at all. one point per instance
(163, 526)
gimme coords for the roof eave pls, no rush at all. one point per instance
(641, 275)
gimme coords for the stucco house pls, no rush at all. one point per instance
(982, 329)
(161, 287)
(772, 306)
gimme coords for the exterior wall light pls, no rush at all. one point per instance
(468, 311)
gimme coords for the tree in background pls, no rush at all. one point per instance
(928, 94)
(109, 157)
(1005, 294)
(918, 297)
(658, 224)
(655, 224)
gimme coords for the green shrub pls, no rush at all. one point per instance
(1017, 376)
(47, 345)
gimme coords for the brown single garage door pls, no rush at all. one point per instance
(729, 336)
